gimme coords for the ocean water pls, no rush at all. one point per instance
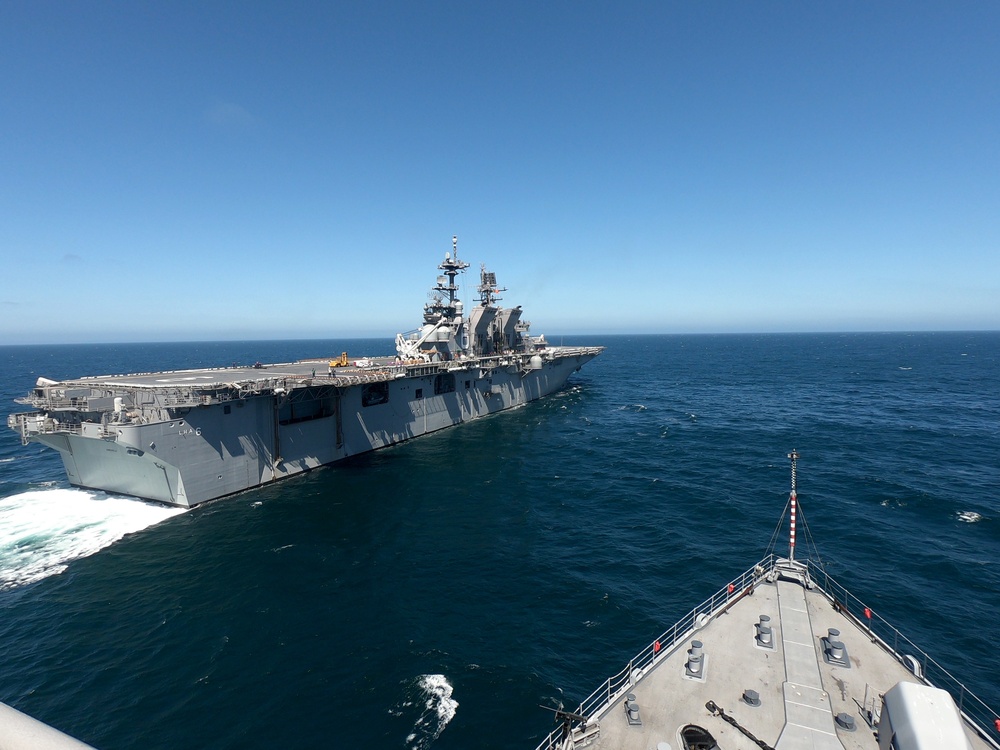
(435, 594)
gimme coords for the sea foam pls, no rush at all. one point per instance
(42, 531)
(438, 710)
(969, 516)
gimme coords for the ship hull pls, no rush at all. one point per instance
(219, 449)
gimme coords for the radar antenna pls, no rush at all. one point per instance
(489, 292)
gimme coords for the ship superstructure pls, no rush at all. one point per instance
(447, 334)
(185, 437)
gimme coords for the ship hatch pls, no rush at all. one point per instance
(696, 738)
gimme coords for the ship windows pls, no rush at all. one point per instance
(373, 394)
(227, 409)
(419, 393)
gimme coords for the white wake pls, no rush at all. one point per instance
(969, 516)
(437, 709)
(42, 531)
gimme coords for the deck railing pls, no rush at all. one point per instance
(672, 638)
(979, 716)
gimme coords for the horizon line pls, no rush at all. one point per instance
(549, 338)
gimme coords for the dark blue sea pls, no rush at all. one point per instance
(435, 594)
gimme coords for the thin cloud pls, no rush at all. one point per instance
(71, 258)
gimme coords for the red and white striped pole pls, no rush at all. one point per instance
(792, 500)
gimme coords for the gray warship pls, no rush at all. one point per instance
(782, 657)
(186, 437)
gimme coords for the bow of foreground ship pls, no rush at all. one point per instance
(185, 437)
(781, 658)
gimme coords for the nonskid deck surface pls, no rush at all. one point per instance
(214, 376)
(800, 694)
(312, 371)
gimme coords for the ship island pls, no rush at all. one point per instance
(184, 437)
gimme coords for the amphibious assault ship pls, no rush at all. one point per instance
(185, 437)
(782, 657)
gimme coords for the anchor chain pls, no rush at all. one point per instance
(715, 709)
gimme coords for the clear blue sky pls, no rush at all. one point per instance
(246, 170)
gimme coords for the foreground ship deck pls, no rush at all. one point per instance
(782, 657)
(185, 437)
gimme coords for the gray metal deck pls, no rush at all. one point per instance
(800, 693)
(208, 377)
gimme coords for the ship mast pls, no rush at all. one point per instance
(790, 568)
(444, 326)
(451, 266)
(792, 500)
